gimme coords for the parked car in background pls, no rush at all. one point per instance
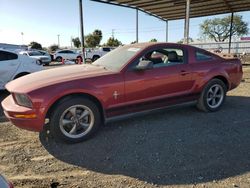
(44, 59)
(14, 65)
(127, 80)
(97, 53)
(45, 53)
(66, 54)
(5, 183)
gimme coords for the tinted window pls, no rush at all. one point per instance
(106, 49)
(201, 56)
(7, 56)
(64, 51)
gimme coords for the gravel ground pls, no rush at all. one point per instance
(178, 147)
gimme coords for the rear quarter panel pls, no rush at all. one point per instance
(204, 71)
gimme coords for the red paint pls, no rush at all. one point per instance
(138, 90)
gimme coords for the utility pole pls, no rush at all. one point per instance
(137, 37)
(231, 30)
(82, 30)
(113, 33)
(58, 40)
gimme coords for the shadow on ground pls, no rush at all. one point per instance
(175, 146)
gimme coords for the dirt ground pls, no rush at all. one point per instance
(178, 147)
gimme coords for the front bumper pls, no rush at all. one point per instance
(11, 110)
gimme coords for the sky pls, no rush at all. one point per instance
(43, 20)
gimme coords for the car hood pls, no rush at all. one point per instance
(53, 76)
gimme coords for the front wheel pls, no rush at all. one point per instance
(212, 96)
(75, 120)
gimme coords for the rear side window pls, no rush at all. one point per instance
(5, 56)
(201, 56)
(106, 49)
(61, 52)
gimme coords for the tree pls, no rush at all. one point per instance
(76, 41)
(218, 29)
(153, 40)
(113, 42)
(53, 47)
(94, 39)
(133, 42)
(35, 45)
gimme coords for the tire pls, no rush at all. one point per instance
(212, 96)
(95, 57)
(68, 123)
(59, 59)
(77, 60)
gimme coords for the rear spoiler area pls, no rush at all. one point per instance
(227, 55)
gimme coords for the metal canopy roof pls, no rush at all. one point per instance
(176, 9)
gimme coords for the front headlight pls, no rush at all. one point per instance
(22, 100)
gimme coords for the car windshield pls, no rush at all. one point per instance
(34, 53)
(117, 58)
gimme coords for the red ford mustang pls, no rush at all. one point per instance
(135, 78)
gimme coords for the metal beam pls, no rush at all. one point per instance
(186, 29)
(82, 30)
(127, 6)
(137, 27)
(166, 30)
(231, 30)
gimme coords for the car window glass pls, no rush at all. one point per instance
(201, 56)
(5, 56)
(164, 57)
(106, 49)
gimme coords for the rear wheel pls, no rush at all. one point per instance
(75, 120)
(212, 96)
(59, 59)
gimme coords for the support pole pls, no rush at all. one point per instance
(231, 30)
(58, 40)
(186, 29)
(137, 30)
(82, 31)
(166, 30)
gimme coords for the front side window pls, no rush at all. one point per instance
(164, 57)
(5, 56)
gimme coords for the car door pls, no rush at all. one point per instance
(169, 77)
(71, 54)
(8, 66)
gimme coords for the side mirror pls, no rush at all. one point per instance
(144, 65)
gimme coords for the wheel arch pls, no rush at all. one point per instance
(67, 96)
(21, 74)
(224, 80)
